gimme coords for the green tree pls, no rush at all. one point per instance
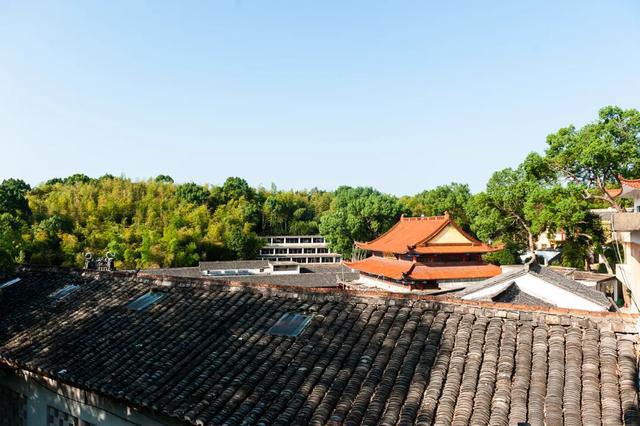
(164, 179)
(11, 241)
(498, 213)
(518, 205)
(233, 227)
(192, 193)
(13, 197)
(358, 214)
(235, 188)
(452, 198)
(596, 155)
(77, 178)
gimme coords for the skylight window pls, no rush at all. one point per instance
(290, 324)
(64, 291)
(10, 283)
(144, 301)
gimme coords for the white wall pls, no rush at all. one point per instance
(543, 290)
(87, 406)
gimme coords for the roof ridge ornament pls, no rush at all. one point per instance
(531, 261)
(105, 263)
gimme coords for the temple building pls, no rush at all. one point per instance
(424, 253)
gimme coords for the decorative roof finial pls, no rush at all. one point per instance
(531, 261)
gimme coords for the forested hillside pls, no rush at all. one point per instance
(161, 223)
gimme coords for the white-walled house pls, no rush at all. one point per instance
(540, 286)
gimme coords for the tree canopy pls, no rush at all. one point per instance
(358, 214)
(160, 223)
(596, 155)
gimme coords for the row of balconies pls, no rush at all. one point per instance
(294, 250)
(294, 240)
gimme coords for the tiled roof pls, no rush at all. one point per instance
(310, 276)
(591, 276)
(203, 354)
(453, 249)
(627, 184)
(514, 294)
(550, 276)
(634, 183)
(234, 264)
(613, 192)
(412, 234)
(400, 269)
(408, 232)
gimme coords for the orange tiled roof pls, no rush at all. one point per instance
(630, 183)
(634, 183)
(412, 234)
(408, 232)
(404, 269)
(613, 192)
(457, 248)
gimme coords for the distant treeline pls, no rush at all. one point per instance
(157, 222)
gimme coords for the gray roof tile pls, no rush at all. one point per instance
(203, 354)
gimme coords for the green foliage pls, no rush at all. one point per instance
(164, 179)
(498, 214)
(358, 214)
(233, 227)
(11, 241)
(452, 198)
(158, 223)
(235, 188)
(192, 193)
(13, 197)
(595, 155)
(77, 178)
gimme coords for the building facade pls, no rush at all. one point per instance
(625, 230)
(424, 253)
(304, 249)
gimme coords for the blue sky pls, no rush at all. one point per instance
(401, 96)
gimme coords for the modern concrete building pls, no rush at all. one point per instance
(298, 248)
(625, 229)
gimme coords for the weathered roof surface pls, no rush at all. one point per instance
(591, 276)
(203, 354)
(404, 269)
(550, 276)
(514, 294)
(234, 264)
(310, 276)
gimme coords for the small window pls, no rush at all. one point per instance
(290, 324)
(10, 283)
(64, 291)
(144, 301)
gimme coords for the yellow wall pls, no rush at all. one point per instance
(449, 235)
